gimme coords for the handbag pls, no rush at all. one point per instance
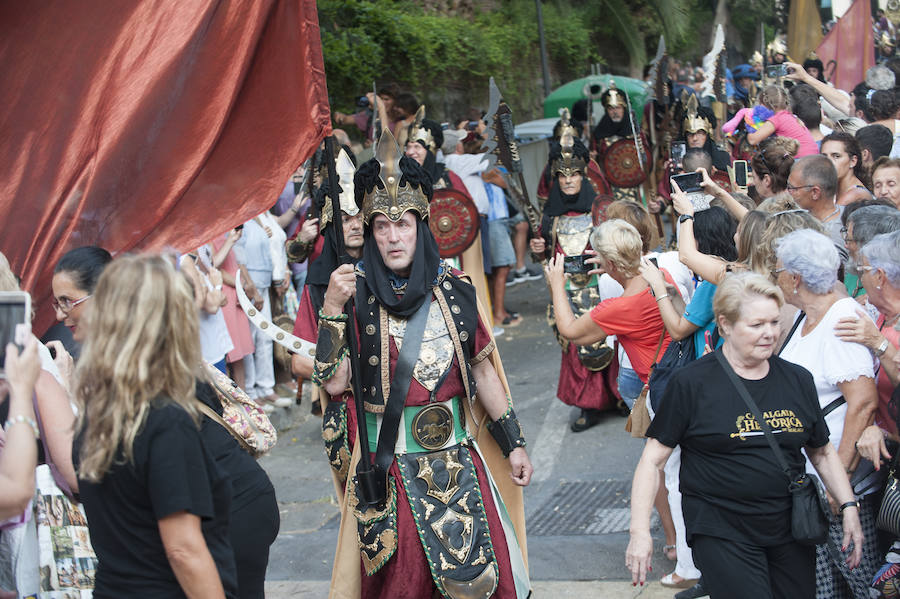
(242, 417)
(810, 512)
(675, 357)
(639, 419)
(889, 511)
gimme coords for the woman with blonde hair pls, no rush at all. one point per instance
(156, 503)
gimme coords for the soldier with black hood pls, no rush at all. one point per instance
(617, 125)
(447, 513)
(337, 419)
(586, 372)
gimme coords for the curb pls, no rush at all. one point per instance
(591, 589)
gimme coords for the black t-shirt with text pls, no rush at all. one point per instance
(172, 471)
(731, 484)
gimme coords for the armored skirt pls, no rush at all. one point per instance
(587, 374)
(452, 523)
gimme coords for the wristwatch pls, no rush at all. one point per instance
(849, 504)
(685, 217)
(879, 351)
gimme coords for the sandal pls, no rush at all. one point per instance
(673, 581)
(673, 556)
(512, 320)
(586, 420)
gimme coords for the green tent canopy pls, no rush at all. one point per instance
(566, 95)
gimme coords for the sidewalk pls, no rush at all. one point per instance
(285, 589)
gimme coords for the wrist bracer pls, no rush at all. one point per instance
(507, 431)
(298, 251)
(331, 347)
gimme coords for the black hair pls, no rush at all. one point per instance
(714, 230)
(580, 110)
(883, 104)
(861, 101)
(877, 139)
(84, 265)
(852, 148)
(805, 101)
(407, 102)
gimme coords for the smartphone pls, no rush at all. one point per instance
(688, 182)
(773, 71)
(676, 153)
(239, 228)
(577, 265)
(740, 173)
(654, 261)
(15, 309)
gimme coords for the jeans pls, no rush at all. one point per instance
(630, 386)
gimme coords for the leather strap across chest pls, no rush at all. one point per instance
(403, 370)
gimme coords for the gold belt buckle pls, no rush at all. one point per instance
(432, 427)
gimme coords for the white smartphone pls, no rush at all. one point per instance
(15, 309)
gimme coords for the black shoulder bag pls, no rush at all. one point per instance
(810, 512)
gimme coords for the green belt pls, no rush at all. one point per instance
(406, 439)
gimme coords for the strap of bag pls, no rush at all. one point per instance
(833, 405)
(213, 415)
(754, 409)
(790, 334)
(406, 360)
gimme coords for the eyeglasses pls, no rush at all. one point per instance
(65, 304)
(793, 188)
(866, 268)
(778, 271)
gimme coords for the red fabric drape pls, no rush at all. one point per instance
(850, 43)
(139, 125)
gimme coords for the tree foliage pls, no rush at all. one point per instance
(445, 54)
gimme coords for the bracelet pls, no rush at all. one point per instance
(14, 420)
(663, 296)
(339, 318)
(848, 504)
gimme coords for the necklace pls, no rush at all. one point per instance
(832, 215)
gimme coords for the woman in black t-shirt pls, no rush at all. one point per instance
(157, 504)
(735, 497)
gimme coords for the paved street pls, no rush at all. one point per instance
(576, 506)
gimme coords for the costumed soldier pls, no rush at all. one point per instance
(424, 137)
(777, 51)
(586, 372)
(745, 87)
(621, 166)
(699, 123)
(338, 418)
(594, 174)
(448, 516)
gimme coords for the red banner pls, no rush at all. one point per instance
(850, 46)
(140, 125)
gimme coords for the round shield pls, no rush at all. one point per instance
(623, 169)
(453, 219)
(598, 208)
(723, 180)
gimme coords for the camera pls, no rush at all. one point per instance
(362, 102)
(576, 265)
(774, 71)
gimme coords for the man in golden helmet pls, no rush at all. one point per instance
(423, 348)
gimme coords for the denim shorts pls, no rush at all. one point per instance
(502, 252)
(630, 386)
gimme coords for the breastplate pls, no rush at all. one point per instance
(436, 353)
(573, 233)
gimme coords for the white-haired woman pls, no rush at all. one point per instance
(156, 503)
(806, 271)
(880, 273)
(736, 500)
